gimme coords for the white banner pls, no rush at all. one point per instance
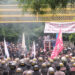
(53, 27)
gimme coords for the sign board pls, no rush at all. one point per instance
(54, 27)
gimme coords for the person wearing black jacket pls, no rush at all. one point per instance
(67, 72)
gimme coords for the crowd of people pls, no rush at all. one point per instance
(64, 64)
(13, 49)
(21, 63)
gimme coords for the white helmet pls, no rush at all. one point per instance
(51, 69)
(63, 59)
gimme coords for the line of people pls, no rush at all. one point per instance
(38, 66)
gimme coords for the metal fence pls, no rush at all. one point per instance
(14, 14)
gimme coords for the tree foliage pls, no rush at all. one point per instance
(36, 5)
(66, 37)
(72, 37)
(13, 32)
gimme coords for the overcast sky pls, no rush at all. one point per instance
(8, 1)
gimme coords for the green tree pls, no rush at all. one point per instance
(72, 37)
(37, 5)
(13, 32)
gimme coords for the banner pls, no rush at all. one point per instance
(54, 27)
(58, 47)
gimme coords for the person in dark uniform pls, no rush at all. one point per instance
(19, 71)
(29, 73)
(1, 52)
(36, 70)
(12, 68)
(33, 63)
(67, 72)
(48, 64)
(28, 70)
(40, 61)
(73, 54)
(50, 71)
(1, 69)
(44, 69)
(4, 67)
(22, 65)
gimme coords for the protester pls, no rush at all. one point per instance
(41, 64)
(58, 72)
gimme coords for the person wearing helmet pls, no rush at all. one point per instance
(36, 70)
(28, 70)
(5, 67)
(48, 64)
(50, 71)
(22, 64)
(67, 69)
(12, 68)
(1, 70)
(44, 69)
(19, 71)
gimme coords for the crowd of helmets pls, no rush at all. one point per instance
(41, 65)
(36, 66)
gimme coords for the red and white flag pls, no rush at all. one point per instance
(58, 47)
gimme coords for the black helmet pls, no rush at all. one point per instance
(22, 63)
(12, 66)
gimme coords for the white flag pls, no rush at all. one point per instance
(23, 42)
(6, 49)
(34, 49)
